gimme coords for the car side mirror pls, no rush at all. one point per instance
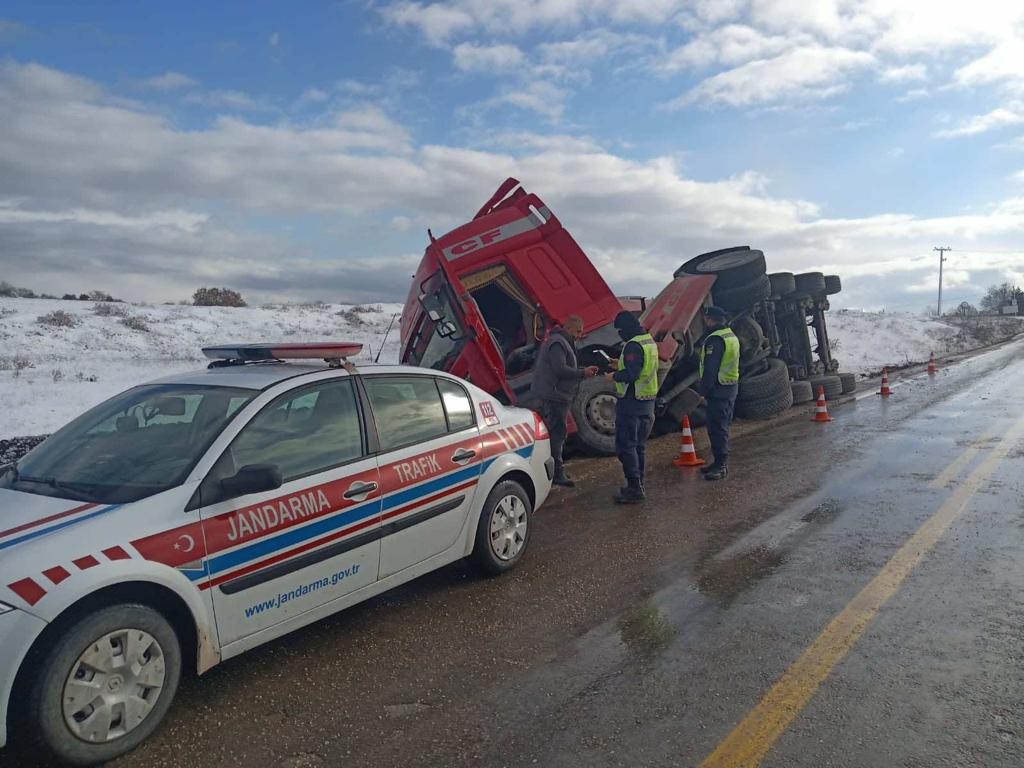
(252, 478)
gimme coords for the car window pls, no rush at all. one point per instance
(303, 432)
(407, 409)
(457, 405)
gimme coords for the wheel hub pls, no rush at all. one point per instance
(113, 686)
(508, 527)
(601, 413)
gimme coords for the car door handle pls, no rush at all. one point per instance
(360, 489)
(463, 455)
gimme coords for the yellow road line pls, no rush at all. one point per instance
(751, 740)
(965, 458)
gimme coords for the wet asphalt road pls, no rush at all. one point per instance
(643, 636)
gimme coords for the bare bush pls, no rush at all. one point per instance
(18, 363)
(217, 297)
(58, 319)
(351, 316)
(135, 323)
(361, 309)
(110, 310)
(57, 375)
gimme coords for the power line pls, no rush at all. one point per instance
(942, 260)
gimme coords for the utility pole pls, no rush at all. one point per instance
(942, 260)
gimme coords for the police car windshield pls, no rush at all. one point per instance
(137, 444)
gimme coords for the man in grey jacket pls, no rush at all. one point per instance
(555, 379)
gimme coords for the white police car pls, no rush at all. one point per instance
(204, 514)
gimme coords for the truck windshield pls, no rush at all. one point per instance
(439, 333)
(138, 443)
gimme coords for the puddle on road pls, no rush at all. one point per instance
(825, 512)
(727, 579)
(646, 629)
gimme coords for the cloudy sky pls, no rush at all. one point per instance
(300, 151)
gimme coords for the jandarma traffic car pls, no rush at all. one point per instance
(201, 515)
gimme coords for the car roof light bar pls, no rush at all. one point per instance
(237, 354)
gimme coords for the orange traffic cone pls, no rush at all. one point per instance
(821, 410)
(885, 391)
(687, 453)
(933, 368)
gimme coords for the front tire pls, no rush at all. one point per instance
(503, 532)
(105, 684)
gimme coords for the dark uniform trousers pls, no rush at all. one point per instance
(719, 416)
(631, 432)
(555, 414)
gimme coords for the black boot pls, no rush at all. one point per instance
(633, 493)
(712, 467)
(561, 478)
(718, 473)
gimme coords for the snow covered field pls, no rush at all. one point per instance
(50, 373)
(71, 369)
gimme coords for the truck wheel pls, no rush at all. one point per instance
(732, 268)
(833, 285)
(503, 530)
(704, 256)
(593, 410)
(767, 407)
(803, 392)
(769, 384)
(742, 297)
(812, 283)
(783, 284)
(680, 407)
(833, 386)
(849, 382)
(751, 337)
(105, 684)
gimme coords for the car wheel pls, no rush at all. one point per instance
(593, 410)
(105, 684)
(504, 528)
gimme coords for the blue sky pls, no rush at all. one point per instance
(301, 151)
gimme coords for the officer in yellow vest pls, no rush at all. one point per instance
(636, 385)
(719, 384)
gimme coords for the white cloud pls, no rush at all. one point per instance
(730, 45)
(313, 96)
(487, 58)
(913, 95)
(1003, 64)
(168, 81)
(10, 30)
(905, 73)
(810, 72)
(437, 22)
(997, 118)
(235, 101)
(119, 193)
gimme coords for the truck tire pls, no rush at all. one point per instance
(593, 410)
(833, 285)
(732, 268)
(744, 296)
(849, 382)
(751, 338)
(765, 385)
(130, 646)
(767, 407)
(833, 386)
(704, 256)
(783, 284)
(812, 283)
(803, 392)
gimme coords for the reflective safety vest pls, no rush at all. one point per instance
(646, 387)
(729, 371)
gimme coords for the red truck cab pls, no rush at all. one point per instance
(488, 292)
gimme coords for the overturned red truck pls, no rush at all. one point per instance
(487, 293)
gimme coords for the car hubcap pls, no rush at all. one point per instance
(114, 685)
(601, 413)
(508, 527)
